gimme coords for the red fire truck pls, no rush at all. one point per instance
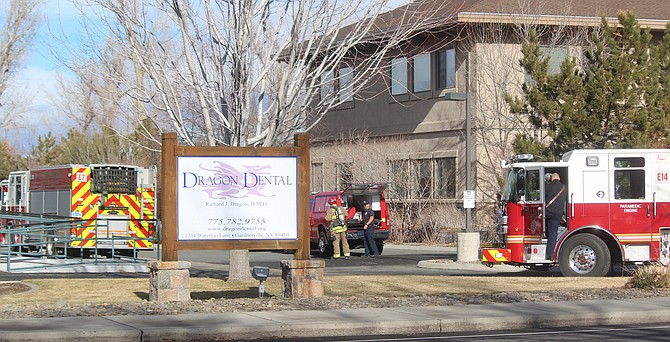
(112, 207)
(617, 211)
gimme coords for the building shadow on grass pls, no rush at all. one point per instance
(251, 292)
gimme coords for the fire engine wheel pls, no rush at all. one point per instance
(129, 253)
(584, 256)
(325, 248)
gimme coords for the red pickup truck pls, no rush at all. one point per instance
(351, 199)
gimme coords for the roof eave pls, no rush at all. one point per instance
(552, 20)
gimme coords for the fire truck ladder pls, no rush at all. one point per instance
(39, 241)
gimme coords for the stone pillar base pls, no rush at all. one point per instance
(468, 247)
(169, 281)
(302, 278)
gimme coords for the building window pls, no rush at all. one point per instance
(399, 177)
(346, 84)
(317, 177)
(399, 76)
(445, 177)
(421, 73)
(344, 175)
(423, 188)
(423, 178)
(446, 68)
(327, 85)
(556, 56)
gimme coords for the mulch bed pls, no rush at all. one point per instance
(13, 287)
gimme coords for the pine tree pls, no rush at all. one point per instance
(615, 98)
(8, 160)
(46, 152)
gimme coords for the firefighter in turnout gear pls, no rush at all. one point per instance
(336, 215)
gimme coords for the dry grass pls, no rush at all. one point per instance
(655, 276)
(136, 290)
(396, 286)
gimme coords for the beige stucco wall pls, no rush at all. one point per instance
(496, 72)
(428, 125)
(425, 122)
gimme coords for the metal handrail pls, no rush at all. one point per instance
(48, 236)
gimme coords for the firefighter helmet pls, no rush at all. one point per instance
(332, 201)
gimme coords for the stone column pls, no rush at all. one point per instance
(302, 278)
(169, 281)
(468, 247)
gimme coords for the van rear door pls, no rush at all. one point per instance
(365, 188)
(355, 193)
(371, 192)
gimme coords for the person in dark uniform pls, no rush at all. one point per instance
(369, 231)
(554, 198)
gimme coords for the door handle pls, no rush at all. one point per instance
(539, 212)
(648, 211)
(654, 201)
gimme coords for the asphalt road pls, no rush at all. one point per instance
(395, 260)
(648, 332)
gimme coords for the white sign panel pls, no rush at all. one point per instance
(468, 199)
(237, 198)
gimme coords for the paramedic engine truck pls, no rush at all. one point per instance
(617, 212)
(112, 207)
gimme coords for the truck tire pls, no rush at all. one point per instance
(380, 247)
(130, 253)
(325, 247)
(73, 252)
(584, 255)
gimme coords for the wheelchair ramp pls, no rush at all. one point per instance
(32, 243)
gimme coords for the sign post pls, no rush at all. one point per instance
(235, 197)
(469, 199)
(216, 198)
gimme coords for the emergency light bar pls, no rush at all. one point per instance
(523, 157)
(517, 158)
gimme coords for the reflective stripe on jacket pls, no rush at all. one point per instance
(331, 215)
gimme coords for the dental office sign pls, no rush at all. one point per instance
(237, 198)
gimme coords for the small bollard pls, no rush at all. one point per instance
(261, 274)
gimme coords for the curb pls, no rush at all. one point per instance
(455, 265)
(341, 322)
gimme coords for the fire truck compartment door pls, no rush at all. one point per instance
(661, 203)
(534, 201)
(631, 198)
(595, 192)
(661, 210)
(112, 228)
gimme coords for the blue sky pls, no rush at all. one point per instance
(39, 78)
(61, 18)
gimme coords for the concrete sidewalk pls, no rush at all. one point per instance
(288, 324)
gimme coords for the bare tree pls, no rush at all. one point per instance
(248, 73)
(19, 20)
(495, 54)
